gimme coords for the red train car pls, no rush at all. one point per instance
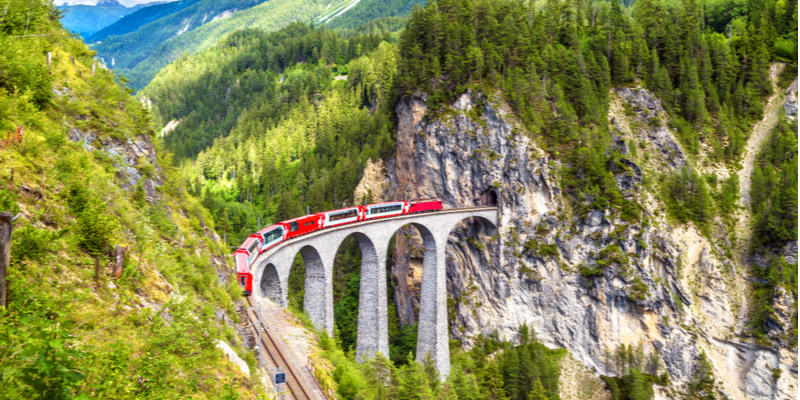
(425, 206)
(383, 210)
(244, 257)
(268, 237)
(301, 225)
(340, 217)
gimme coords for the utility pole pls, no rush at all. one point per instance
(259, 223)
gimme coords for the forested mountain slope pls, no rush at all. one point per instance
(117, 281)
(144, 55)
(612, 138)
(354, 13)
(132, 54)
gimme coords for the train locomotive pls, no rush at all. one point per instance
(270, 236)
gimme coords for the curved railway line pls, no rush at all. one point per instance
(297, 388)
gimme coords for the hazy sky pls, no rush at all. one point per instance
(126, 3)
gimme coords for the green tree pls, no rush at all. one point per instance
(538, 392)
(95, 227)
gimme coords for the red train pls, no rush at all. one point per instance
(268, 237)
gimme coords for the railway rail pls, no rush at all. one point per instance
(268, 343)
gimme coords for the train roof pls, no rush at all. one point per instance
(299, 218)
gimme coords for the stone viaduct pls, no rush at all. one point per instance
(318, 249)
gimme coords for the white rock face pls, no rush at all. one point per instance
(662, 287)
(758, 380)
(790, 106)
(233, 357)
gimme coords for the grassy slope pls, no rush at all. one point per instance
(149, 334)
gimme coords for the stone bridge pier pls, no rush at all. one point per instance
(318, 250)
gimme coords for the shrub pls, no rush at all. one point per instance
(9, 202)
(30, 243)
(95, 227)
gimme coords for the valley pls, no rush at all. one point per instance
(639, 160)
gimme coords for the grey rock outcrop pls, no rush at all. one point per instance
(130, 156)
(648, 110)
(790, 106)
(588, 284)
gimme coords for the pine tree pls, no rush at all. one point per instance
(538, 392)
(493, 382)
(413, 382)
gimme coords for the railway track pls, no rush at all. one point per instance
(297, 388)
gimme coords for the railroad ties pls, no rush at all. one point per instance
(273, 353)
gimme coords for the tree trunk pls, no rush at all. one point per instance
(6, 226)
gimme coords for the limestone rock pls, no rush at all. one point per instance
(666, 289)
(233, 357)
(373, 183)
(790, 106)
(759, 383)
(649, 110)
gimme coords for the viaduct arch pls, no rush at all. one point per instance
(318, 249)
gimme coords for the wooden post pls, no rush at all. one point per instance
(119, 260)
(41, 187)
(8, 138)
(6, 226)
(72, 60)
(18, 134)
(49, 59)
(97, 271)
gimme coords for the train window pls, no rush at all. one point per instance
(273, 235)
(385, 209)
(294, 226)
(253, 248)
(343, 215)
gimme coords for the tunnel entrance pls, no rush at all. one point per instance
(489, 197)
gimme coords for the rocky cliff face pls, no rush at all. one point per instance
(585, 284)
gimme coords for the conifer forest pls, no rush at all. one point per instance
(642, 156)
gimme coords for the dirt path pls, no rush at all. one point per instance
(758, 136)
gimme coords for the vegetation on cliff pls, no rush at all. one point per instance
(72, 329)
(292, 137)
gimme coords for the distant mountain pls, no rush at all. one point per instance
(85, 20)
(136, 20)
(140, 54)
